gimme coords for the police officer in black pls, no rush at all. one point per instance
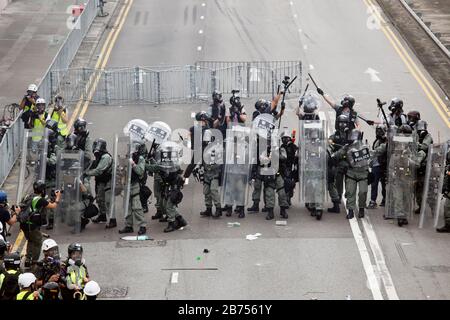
(217, 113)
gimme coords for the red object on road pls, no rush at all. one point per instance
(77, 10)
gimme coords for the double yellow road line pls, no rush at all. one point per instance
(91, 86)
(427, 88)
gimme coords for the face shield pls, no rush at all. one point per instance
(52, 254)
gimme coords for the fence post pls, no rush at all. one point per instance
(158, 86)
(137, 83)
(273, 84)
(248, 80)
(106, 86)
(193, 82)
(213, 80)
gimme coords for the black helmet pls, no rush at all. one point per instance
(12, 261)
(59, 102)
(50, 291)
(404, 128)
(74, 247)
(396, 104)
(52, 125)
(260, 104)
(217, 96)
(348, 101)
(355, 135)
(413, 117)
(342, 123)
(201, 116)
(79, 126)
(3, 247)
(99, 145)
(39, 187)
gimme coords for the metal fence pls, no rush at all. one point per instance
(11, 144)
(174, 84)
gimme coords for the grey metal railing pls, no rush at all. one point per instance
(11, 145)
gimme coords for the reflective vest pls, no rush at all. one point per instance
(77, 276)
(38, 127)
(61, 125)
(2, 276)
(25, 295)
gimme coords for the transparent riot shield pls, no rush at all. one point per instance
(121, 176)
(158, 132)
(136, 129)
(236, 172)
(313, 162)
(33, 162)
(69, 171)
(402, 162)
(432, 189)
(265, 145)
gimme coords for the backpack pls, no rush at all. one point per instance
(10, 286)
(27, 216)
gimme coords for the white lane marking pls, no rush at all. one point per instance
(383, 270)
(311, 67)
(365, 257)
(291, 3)
(200, 31)
(373, 75)
(300, 30)
(199, 48)
(203, 4)
(186, 182)
(305, 47)
(174, 278)
(295, 16)
(202, 17)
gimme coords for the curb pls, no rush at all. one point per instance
(425, 28)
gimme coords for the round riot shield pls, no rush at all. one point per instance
(263, 125)
(136, 130)
(158, 132)
(169, 156)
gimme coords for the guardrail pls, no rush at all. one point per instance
(11, 143)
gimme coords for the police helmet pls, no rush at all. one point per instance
(39, 187)
(348, 101)
(74, 247)
(80, 125)
(396, 104)
(404, 128)
(12, 261)
(421, 125)
(99, 145)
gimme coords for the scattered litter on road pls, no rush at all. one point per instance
(281, 223)
(349, 297)
(314, 298)
(205, 251)
(253, 236)
(234, 224)
(174, 278)
(136, 238)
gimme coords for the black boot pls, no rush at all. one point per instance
(158, 215)
(50, 224)
(383, 203)
(313, 212)
(229, 210)
(163, 218)
(126, 229)
(84, 223)
(145, 209)
(100, 218)
(402, 222)
(444, 229)
(254, 208)
(142, 230)
(417, 211)
(319, 213)
(335, 208)
(283, 212)
(180, 222)
(241, 212)
(207, 212)
(217, 213)
(265, 209)
(270, 215)
(361, 213)
(171, 227)
(111, 224)
(350, 214)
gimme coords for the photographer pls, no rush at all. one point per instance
(27, 105)
(59, 114)
(397, 117)
(31, 216)
(217, 112)
(7, 216)
(236, 112)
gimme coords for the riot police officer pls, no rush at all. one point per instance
(80, 139)
(396, 117)
(413, 117)
(288, 164)
(345, 107)
(446, 194)
(217, 112)
(379, 166)
(357, 155)
(424, 142)
(101, 169)
(137, 213)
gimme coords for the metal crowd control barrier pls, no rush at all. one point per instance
(174, 84)
(11, 143)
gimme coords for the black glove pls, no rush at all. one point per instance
(370, 122)
(320, 91)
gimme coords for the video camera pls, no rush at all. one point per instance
(286, 81)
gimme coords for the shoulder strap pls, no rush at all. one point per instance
(26, 295)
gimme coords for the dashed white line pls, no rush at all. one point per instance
(295, 16)
(202, 17)
(199, 48)
(174, 278)
(203, 4)
(200, 31)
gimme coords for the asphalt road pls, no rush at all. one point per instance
(305, 259)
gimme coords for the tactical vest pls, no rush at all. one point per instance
(106, 175)
(382, 159)
(358, 155)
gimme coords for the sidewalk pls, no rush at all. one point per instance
(31, 33)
